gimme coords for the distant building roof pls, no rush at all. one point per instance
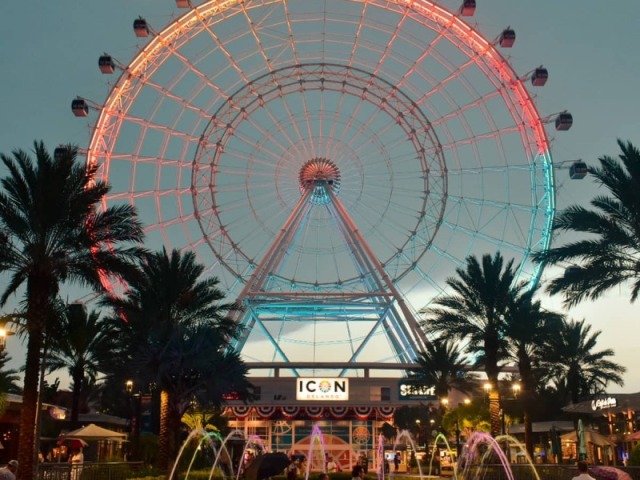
(605, 403)
(102, 419)
(539, 427)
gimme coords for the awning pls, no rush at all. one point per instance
(594, 438)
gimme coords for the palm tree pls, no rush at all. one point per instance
(176, 336)
(443, 365)
(529, 327)
(8, 376)
(77, 348)
(572, 362)
(608, 255)
(476, 312)
(50, 233)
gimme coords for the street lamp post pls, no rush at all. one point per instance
(458, 446)
(445, 403)
(134, 402)
(515, 388)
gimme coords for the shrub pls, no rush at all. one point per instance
(634, 457)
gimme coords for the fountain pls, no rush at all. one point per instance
(316, 436)
(380, 460)
(221, 454)
(204, 438)
(440, 436)
(478, 452)
(405, 434)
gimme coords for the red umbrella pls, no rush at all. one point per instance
(633, 437)
(267, 465)
(73, 442)
(610, 473)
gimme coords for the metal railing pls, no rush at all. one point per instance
(90, 471)
(548, 472)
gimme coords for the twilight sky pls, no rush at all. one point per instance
(49, 52)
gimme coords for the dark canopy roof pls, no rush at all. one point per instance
(605, 403)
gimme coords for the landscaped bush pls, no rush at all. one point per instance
(634, 457)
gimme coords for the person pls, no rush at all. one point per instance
(292, 469)
(583, 472)
(357, 473)
(396, 461)
(9, 472)
(302, 466)
(76, 459)
(332, 466)
(364, 462)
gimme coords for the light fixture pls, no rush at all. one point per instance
(516, 389)
(4, 333)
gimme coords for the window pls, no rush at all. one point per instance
(385, 394)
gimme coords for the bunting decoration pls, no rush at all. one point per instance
(265, 411)
(241, 411)
(290, 411)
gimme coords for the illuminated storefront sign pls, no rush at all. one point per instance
(416, 391)
(322, 389)
(603, 403)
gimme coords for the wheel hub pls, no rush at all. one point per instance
(319, 174)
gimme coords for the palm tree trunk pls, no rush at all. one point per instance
(494, 412)
(528, 395)
(26, 439)
(165, 433)
(528, 429)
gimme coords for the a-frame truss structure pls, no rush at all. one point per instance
(369, 323)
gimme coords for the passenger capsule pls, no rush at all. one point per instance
(578, 170)
(564, 121)
(79, 107)
(140, 27)
(59, 152)
(106, 64)
(539, 77)
(507, 38)
(572, 271)
(468, 8)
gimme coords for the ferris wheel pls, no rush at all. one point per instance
(331, 162)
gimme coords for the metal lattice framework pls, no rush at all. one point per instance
(331, 162)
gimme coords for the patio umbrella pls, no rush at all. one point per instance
(610, 473)
(72, 442)
(267, 465)
(94, 432)
(633, 437)
(582, 441)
